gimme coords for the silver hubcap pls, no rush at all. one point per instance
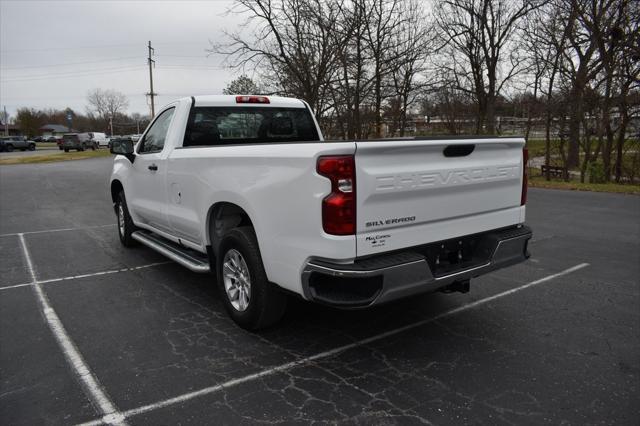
(237, 281)
(121, 219)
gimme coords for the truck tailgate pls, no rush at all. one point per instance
(413, 192)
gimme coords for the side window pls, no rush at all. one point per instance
(154, 139)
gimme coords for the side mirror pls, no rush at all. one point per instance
(123, 147)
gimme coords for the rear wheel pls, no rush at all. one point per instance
(32, 147)
(60, 148)
(82, 147)
(66, 149)
(125, 223)
(249, 298)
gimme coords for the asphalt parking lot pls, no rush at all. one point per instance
(91, 332)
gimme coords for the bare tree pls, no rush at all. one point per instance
(382, 21)
(242, 85)
(545, 40)
(292, 42)
(478, 37)
(412, 48)
(106, 104)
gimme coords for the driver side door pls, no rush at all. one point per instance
(148, 180)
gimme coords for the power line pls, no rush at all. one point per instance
(68, 63)
(71, 74)
(191, 67)
(44, 49)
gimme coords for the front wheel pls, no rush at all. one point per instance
(32, 147)
(66, 149)
(9, 148)
(249, 298)
(125, 223)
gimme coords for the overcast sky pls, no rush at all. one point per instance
(53, 52)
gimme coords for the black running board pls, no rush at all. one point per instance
(190, 259)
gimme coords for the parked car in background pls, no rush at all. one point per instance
(78, 141)
(9, 143)
(99, 138)
(38, 139)
(53, 139)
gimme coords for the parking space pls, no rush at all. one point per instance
(553, 340)
(13, 268)
(36, 385)
(83, 251)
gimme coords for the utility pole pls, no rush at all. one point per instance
(151, 92)
(111, 124)
(6, 122)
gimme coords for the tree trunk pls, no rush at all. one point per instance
(620, 147)
(575, 117)
(378, 95)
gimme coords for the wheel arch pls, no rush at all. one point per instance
(222, 217)
(116, 188)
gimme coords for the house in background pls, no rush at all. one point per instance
(56, 130)
(10, 130)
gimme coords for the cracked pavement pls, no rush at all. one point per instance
(565, 351)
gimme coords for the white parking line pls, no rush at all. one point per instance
(288, 366)
(93, 274)
(57, 230)
(92, 388)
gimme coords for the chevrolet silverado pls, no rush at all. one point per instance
(246, 187)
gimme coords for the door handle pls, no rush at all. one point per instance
(153, 167)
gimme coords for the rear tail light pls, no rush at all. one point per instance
(339, 207)
(252, 100)
(525, 176)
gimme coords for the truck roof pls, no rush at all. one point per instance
(230, 100)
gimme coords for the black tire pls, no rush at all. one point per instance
(60, 148)
(32, 147)
(93, 148)
(82, 148)
(66, 149)
(9, 148)
(266, 304)
(127, 223)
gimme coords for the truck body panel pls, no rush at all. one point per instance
(409, 192)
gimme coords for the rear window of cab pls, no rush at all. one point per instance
(214, 126)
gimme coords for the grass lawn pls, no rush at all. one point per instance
(536, 147)
(46, 145)
(541, 182)
(51, 158)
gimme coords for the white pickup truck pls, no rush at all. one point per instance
(247, 187)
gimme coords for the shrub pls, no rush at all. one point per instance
(596, 173)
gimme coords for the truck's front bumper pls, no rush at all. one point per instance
(387, 277)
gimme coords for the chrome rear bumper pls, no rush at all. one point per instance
(392, 276)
